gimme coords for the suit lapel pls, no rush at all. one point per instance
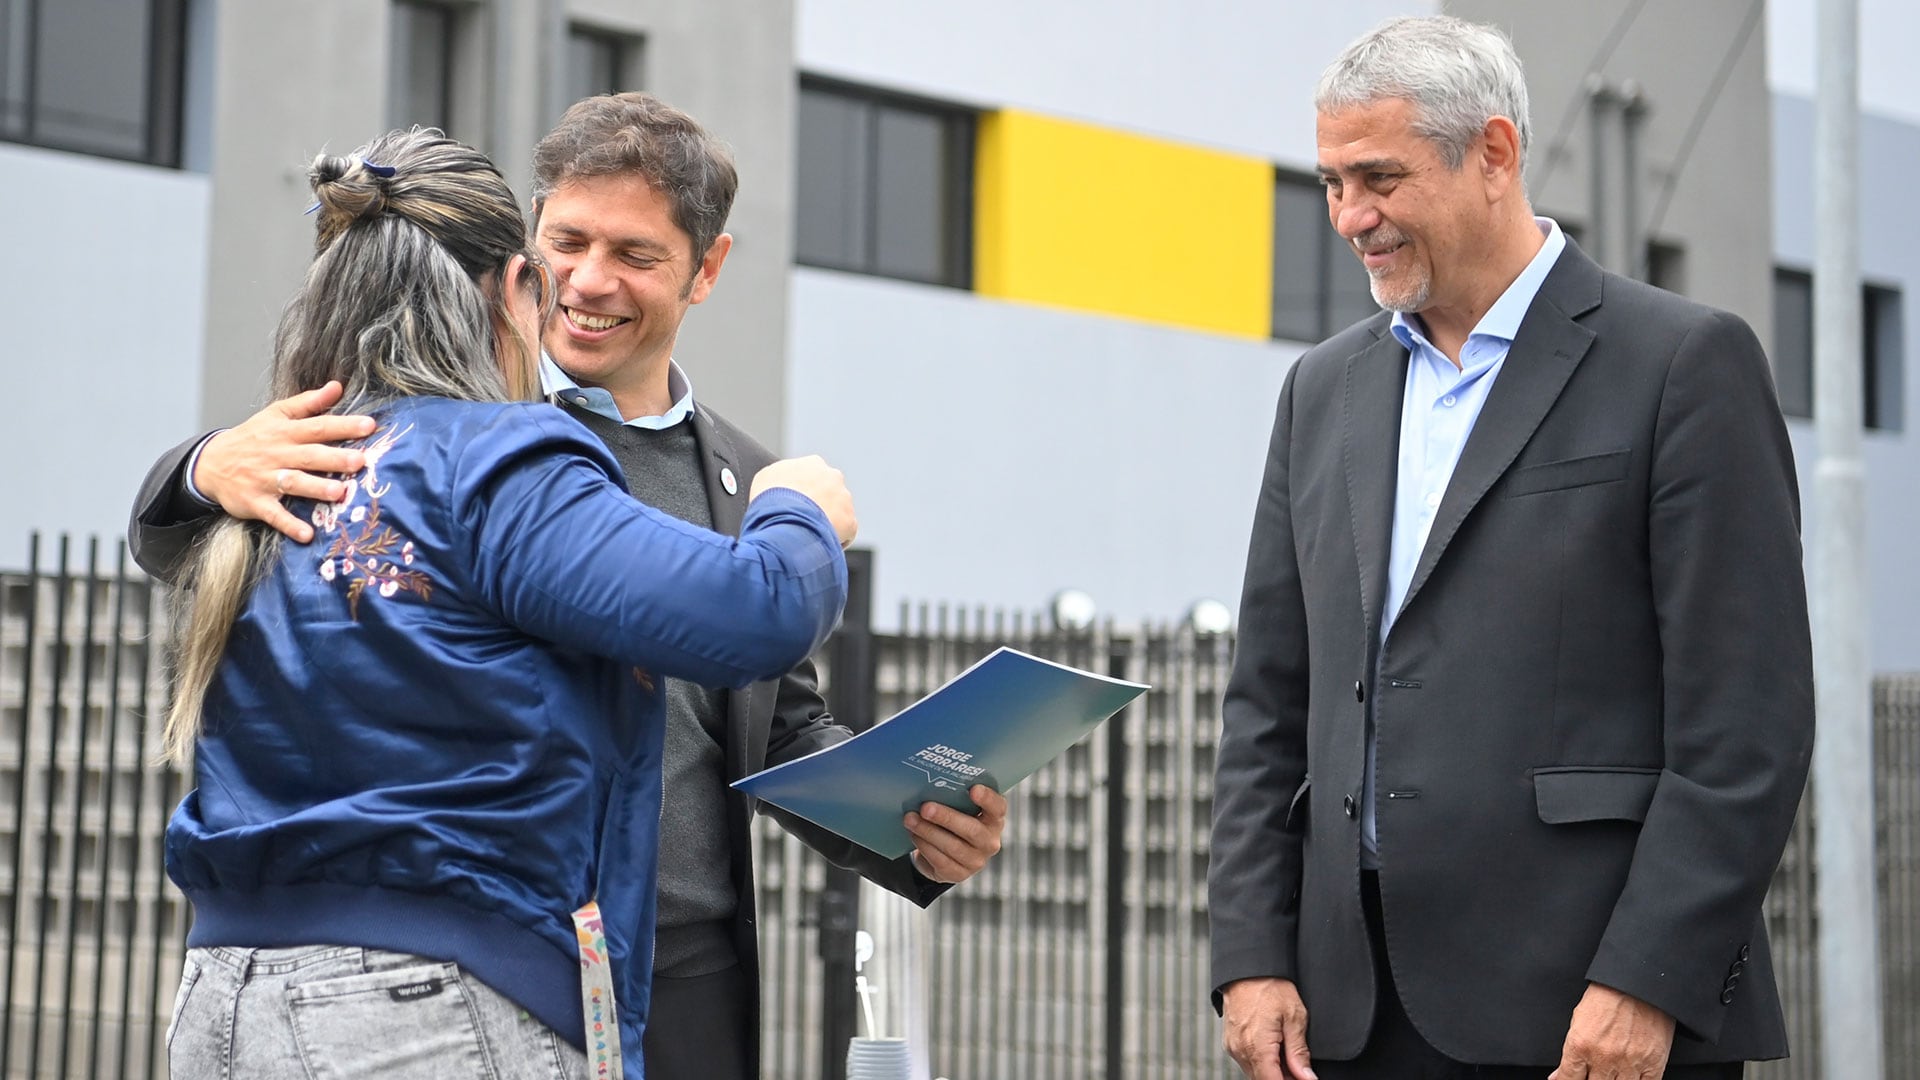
(1548, 348)
(718, 473)
(1376, 380)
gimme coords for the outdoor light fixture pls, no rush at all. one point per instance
(1073, 610)
(1209, 616)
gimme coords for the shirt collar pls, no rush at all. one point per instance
(1502, 320)
(556, 382)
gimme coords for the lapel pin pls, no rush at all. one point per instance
(727, 481)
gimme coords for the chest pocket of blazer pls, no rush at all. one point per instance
(1571, 473)
(1569, 793)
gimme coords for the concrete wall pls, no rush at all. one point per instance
(101, 296)
(730, 64)
(1000, 453)
(1889, 219)
(279, 98)
(1719, 206)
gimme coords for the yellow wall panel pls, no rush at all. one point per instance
(1084, 217)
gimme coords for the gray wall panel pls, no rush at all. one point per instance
(730, 64)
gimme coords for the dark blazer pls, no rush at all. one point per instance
(767, 723)
(1594, 710)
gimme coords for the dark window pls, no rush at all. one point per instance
(1793, 341)
(1885, 344)
(95, 76)
(1319, 286)
(1882, 342)
(884, 185)
(1666, 266)
(421, 73)
(601, 62)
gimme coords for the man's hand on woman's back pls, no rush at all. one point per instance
(284, 449)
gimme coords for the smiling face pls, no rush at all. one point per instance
(1418, 227)
(626, 275)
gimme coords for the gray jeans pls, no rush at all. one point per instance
(327, 1012)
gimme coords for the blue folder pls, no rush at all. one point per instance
(993, 724)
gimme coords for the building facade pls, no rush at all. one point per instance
(1032, 274)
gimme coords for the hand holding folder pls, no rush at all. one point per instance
(994, 724)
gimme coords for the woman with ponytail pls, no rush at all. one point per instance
(426, 745)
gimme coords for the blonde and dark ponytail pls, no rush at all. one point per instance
(405, 297)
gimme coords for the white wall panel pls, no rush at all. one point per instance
(999, 452)
(101, 307)
(1888, 31)
(1236, 76)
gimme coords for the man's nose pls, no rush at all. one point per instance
(586, 276)
(1354, 216)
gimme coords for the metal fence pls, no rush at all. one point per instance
(1080, 953)
(95, 932)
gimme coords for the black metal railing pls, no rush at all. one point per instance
(1079, 953)
(95, 933)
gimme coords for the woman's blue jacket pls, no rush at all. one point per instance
(437, 728)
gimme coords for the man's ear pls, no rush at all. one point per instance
(534, 206)
(1500, 156)
(709, 271)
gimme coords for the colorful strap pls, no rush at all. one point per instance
(596, 995)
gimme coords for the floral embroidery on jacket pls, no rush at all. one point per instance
(364, 551)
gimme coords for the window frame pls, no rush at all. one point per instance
(960, 125)
(455, 54)
(628, 53)
(1882, 376)
(1326, 253)
(163, 122)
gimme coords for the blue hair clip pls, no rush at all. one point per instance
(310, 209)
(383, 171)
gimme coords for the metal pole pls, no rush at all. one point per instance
(1113, 1021)
(1599, 213)
(850, 694)
(78, 773)
(110, 782)
(1639, 243)
(50, 788)
(17, 904)
(1843, 779)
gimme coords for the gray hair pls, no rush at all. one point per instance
(1457, 75)
(404, 298)
(638, 134)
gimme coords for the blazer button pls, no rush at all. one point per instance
(1359, 691)
(1348, 805)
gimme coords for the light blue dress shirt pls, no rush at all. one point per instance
(1437, 414)
(595, 400)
